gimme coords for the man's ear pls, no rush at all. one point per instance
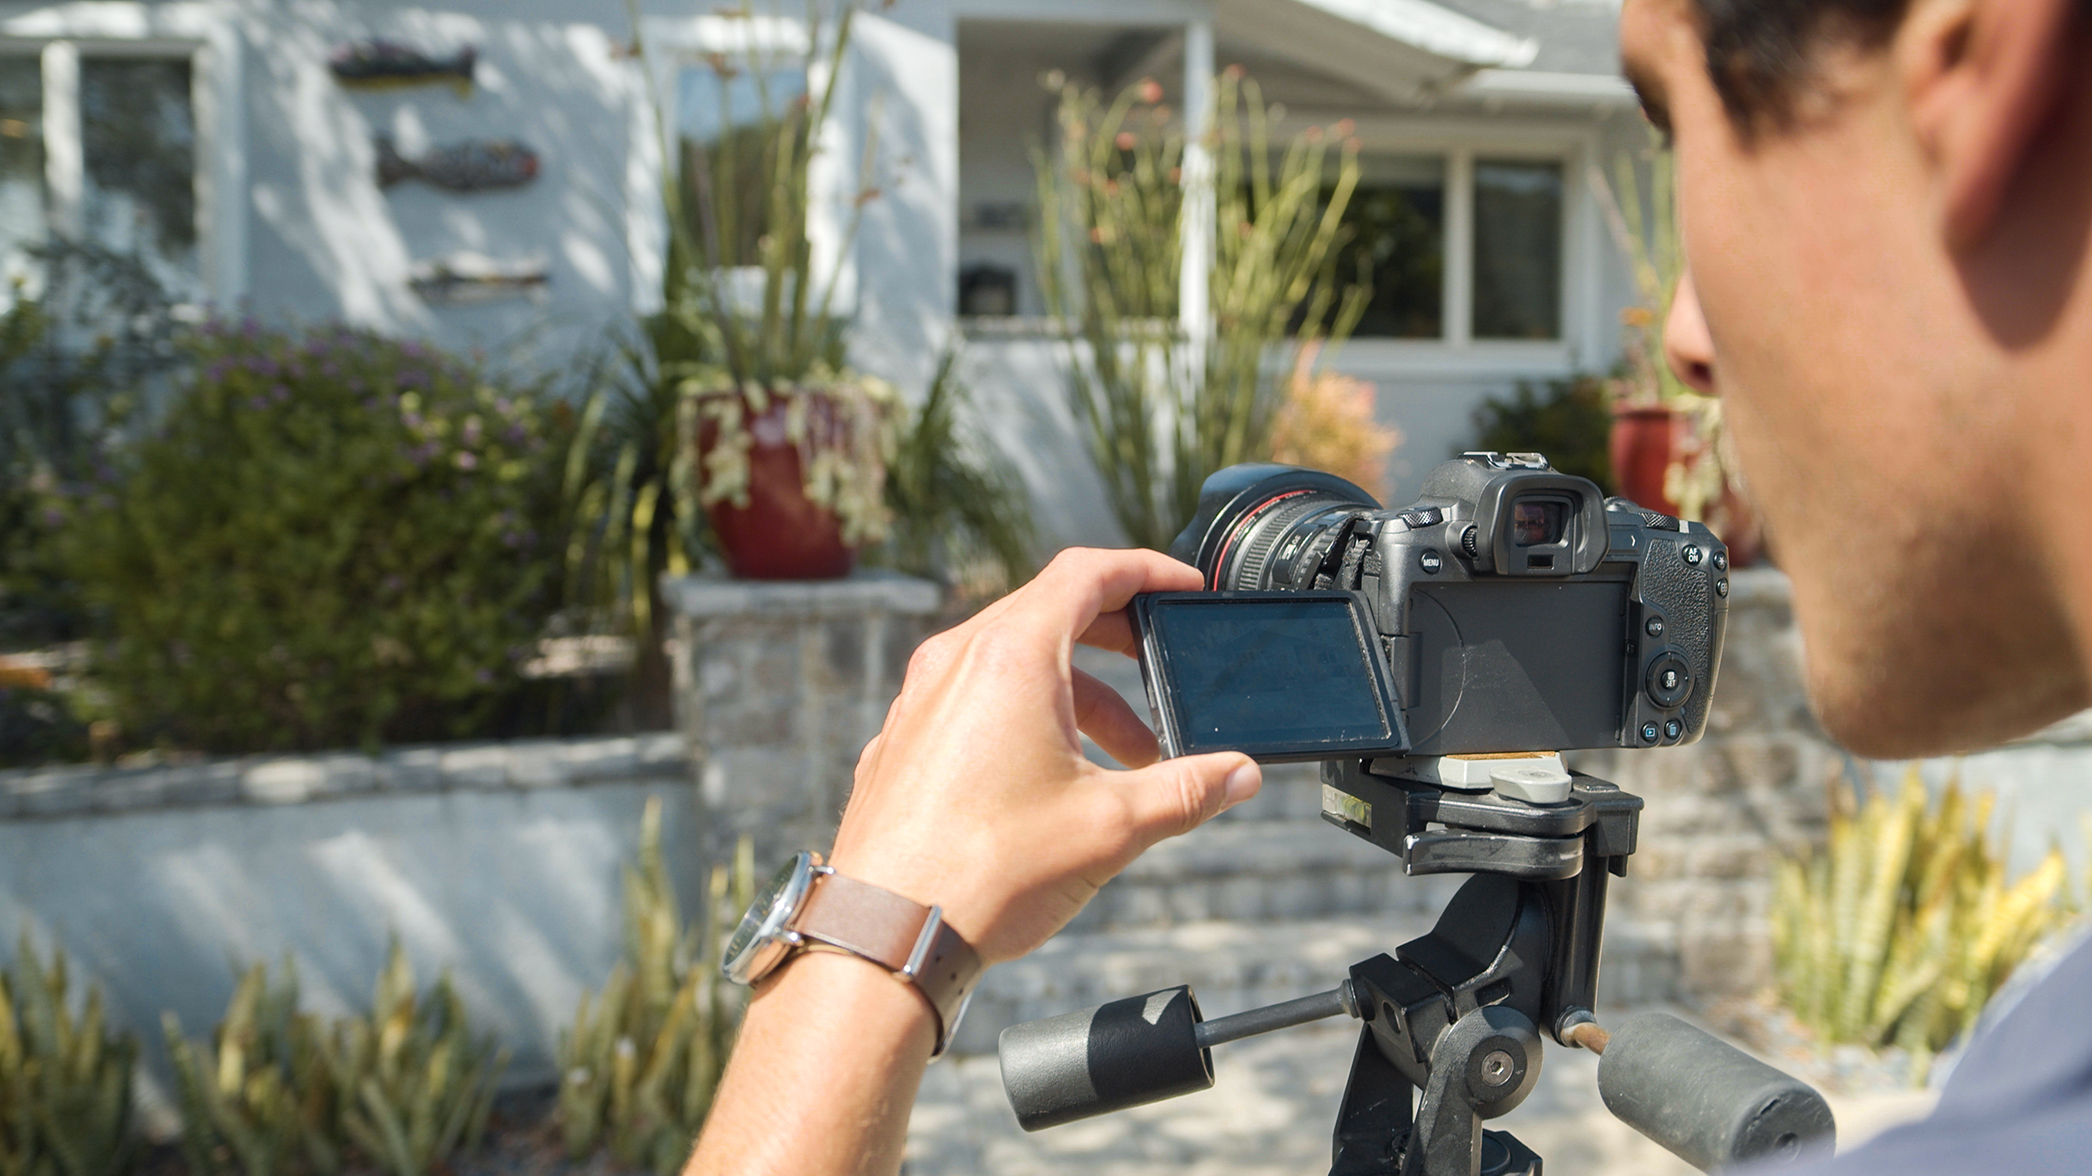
(1982, 77)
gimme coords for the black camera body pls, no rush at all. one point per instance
(1517, 608)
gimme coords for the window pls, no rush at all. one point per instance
(1398, 219)
(727, 116)
(1518, 250)
(1507, 267)
(23, 223)
(98, 144)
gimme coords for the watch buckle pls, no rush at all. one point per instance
(924, 939)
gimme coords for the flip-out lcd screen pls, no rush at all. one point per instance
(1280, 675)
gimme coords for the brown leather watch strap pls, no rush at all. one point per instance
(889, 930)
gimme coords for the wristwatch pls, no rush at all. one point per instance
(808, 904)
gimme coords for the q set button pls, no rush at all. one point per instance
(1670, 680)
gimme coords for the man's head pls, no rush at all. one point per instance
(1886, 208)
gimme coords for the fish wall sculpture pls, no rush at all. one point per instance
(471, 166)
(378, 63)
(465, 277)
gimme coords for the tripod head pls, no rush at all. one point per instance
(1452, 1021)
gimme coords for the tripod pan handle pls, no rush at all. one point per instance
(1710, 1103)
(1118, 1055)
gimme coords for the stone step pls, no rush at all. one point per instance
(1261, 870)
(1234, 965)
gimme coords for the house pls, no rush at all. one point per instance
(213, 138)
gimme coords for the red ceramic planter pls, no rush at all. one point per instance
(1643, 441)
(780, 534)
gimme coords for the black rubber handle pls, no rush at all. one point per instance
(1118, 1055)
(1710, 1103)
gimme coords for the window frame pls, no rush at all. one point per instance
(675, 44)
(60, 37)
(1460, 141)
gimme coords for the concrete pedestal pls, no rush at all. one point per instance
(779, 685)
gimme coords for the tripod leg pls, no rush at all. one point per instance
(1374, 1118)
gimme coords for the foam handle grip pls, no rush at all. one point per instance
(1710, 1103)
(1118, 1055)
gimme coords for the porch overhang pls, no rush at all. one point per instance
(1401, 49)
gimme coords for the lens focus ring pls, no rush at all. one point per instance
(1248, 569)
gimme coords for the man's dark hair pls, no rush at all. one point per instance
(1760, 53)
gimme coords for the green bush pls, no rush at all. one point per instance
(1571, 423)
(330, 538)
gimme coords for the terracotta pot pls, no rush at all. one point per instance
(1642, 444)
(781, 534)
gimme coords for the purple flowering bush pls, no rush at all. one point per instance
(331, 538)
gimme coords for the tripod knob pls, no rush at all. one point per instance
(1118, 1055)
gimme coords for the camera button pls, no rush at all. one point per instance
(1721, 561)
(1693, 555)
(1672, 728)
(1649, 732)
(1654, 627)
(1670, 680)
(1721, 587)
(1431, 562)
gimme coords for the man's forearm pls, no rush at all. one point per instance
(824, 1075)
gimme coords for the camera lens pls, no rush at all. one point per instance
(1268, 526)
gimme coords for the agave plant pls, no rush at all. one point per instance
(1906, 924)
(641, 1062)
(65, 1080)
(416, 1084)
(260, 1098)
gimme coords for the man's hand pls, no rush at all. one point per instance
(976, 797)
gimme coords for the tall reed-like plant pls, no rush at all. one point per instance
(1162, 407)
(1901, 929)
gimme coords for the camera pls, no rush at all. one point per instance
(1437, 659)
(1510, 608)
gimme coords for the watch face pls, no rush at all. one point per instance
(758, 943)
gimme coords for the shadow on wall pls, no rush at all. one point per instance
(516, 892)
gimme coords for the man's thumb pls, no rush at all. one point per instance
(1178, 795)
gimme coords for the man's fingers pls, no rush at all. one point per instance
(1083, 584)
(1177, 795)
(1112, 630)
(1102, 714)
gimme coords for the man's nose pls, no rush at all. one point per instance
(1686, 344)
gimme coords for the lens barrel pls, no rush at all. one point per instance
(1263, 526)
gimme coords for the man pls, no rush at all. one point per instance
(1887, 208)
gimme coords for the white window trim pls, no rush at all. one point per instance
(676, 43)
(61, 34)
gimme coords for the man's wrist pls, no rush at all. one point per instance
(836, 980)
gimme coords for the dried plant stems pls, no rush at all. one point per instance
(1163, 407)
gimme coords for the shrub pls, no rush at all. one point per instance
(330, 538)
(65, 1081)
(641, 1062)
(1902, 929)
(1572, 424)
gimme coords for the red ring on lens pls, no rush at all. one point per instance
(1243, 525)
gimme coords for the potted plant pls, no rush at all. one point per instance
(1669, 449)
(781, 445)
